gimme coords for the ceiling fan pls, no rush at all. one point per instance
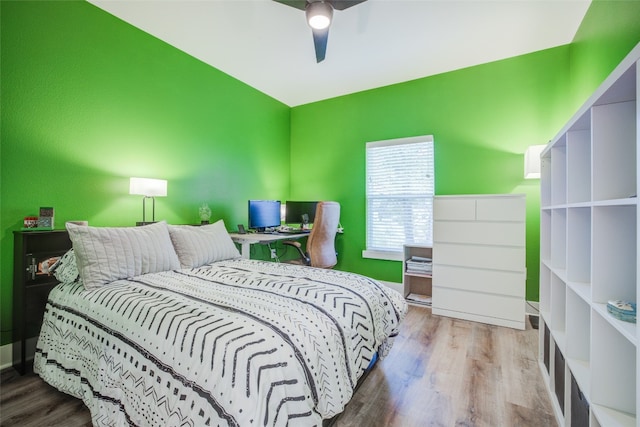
(319, 14)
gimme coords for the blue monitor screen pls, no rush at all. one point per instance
(296, 210)
(264, 214)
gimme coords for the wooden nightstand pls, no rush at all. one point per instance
(31, 285)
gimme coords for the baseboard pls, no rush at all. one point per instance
(532, 308)
(6, 352)
(6, 356)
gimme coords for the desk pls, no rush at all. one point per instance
(246, 240)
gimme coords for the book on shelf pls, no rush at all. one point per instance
(419, 299)
(419, 265)
(426, 273)
(420, 259)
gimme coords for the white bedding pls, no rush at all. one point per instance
(237, 342)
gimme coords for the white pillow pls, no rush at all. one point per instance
(200, 245)
(105, 254)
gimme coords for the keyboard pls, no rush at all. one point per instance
(293, 231)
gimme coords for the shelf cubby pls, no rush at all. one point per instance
(545, 289)
(558, 239)
(614, 150)
(578, 343)
(545, 346)
(614, 255)
(545, 180)
(579, 245)
(417, 287)
(559, 172)
(557, 322)
(613, 371)
(579, 404)
(545, 236)
(589, 222)
(579, 166)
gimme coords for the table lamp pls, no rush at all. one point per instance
(150, 189)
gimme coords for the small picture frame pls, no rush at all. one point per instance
(45, 220)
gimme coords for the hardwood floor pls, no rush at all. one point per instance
(440, 372)
(449, 372)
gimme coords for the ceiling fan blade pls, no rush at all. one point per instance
(320, 38)
(344, 4)
(298, 4)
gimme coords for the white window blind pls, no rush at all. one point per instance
(400, 189)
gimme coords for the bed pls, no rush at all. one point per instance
(206, 338)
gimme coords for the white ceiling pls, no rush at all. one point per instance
(269, 46)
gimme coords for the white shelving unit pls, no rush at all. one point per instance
(479, 258)
(589, 223)
(417, 286)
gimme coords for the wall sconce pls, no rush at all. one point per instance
(532, 161)
(150, 189)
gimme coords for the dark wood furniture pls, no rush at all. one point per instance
(31, 285)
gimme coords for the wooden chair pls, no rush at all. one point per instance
(321, 250)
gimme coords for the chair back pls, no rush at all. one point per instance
(321, 242)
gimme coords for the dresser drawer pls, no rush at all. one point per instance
(484, 233)
(477, 280)
(454, 209)
(479, 256)
(501, 209)
(478, 304)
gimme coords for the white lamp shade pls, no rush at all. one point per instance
(148, 187)
(532, 161)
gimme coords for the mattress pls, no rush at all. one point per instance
(237, 342)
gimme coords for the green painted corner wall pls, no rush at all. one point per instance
(610, 29)
(89, 101)
(482, 119)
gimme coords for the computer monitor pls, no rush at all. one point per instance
(295, 212)
(264, 214)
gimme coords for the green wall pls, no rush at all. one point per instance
(482, 118)
(89, 101)
(608, 32)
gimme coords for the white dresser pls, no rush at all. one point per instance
(479, 258)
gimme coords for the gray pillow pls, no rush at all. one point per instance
(202, 245)
(105, 254)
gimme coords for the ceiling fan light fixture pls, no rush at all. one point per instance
(319, 14)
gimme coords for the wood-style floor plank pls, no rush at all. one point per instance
(440, 372)
(450, 372)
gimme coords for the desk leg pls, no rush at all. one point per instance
(245, 250)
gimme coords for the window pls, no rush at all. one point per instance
(400, 188)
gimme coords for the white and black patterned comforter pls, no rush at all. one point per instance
(238, 342)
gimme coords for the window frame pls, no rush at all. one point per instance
(384, 254)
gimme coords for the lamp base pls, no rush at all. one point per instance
(139, 223)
